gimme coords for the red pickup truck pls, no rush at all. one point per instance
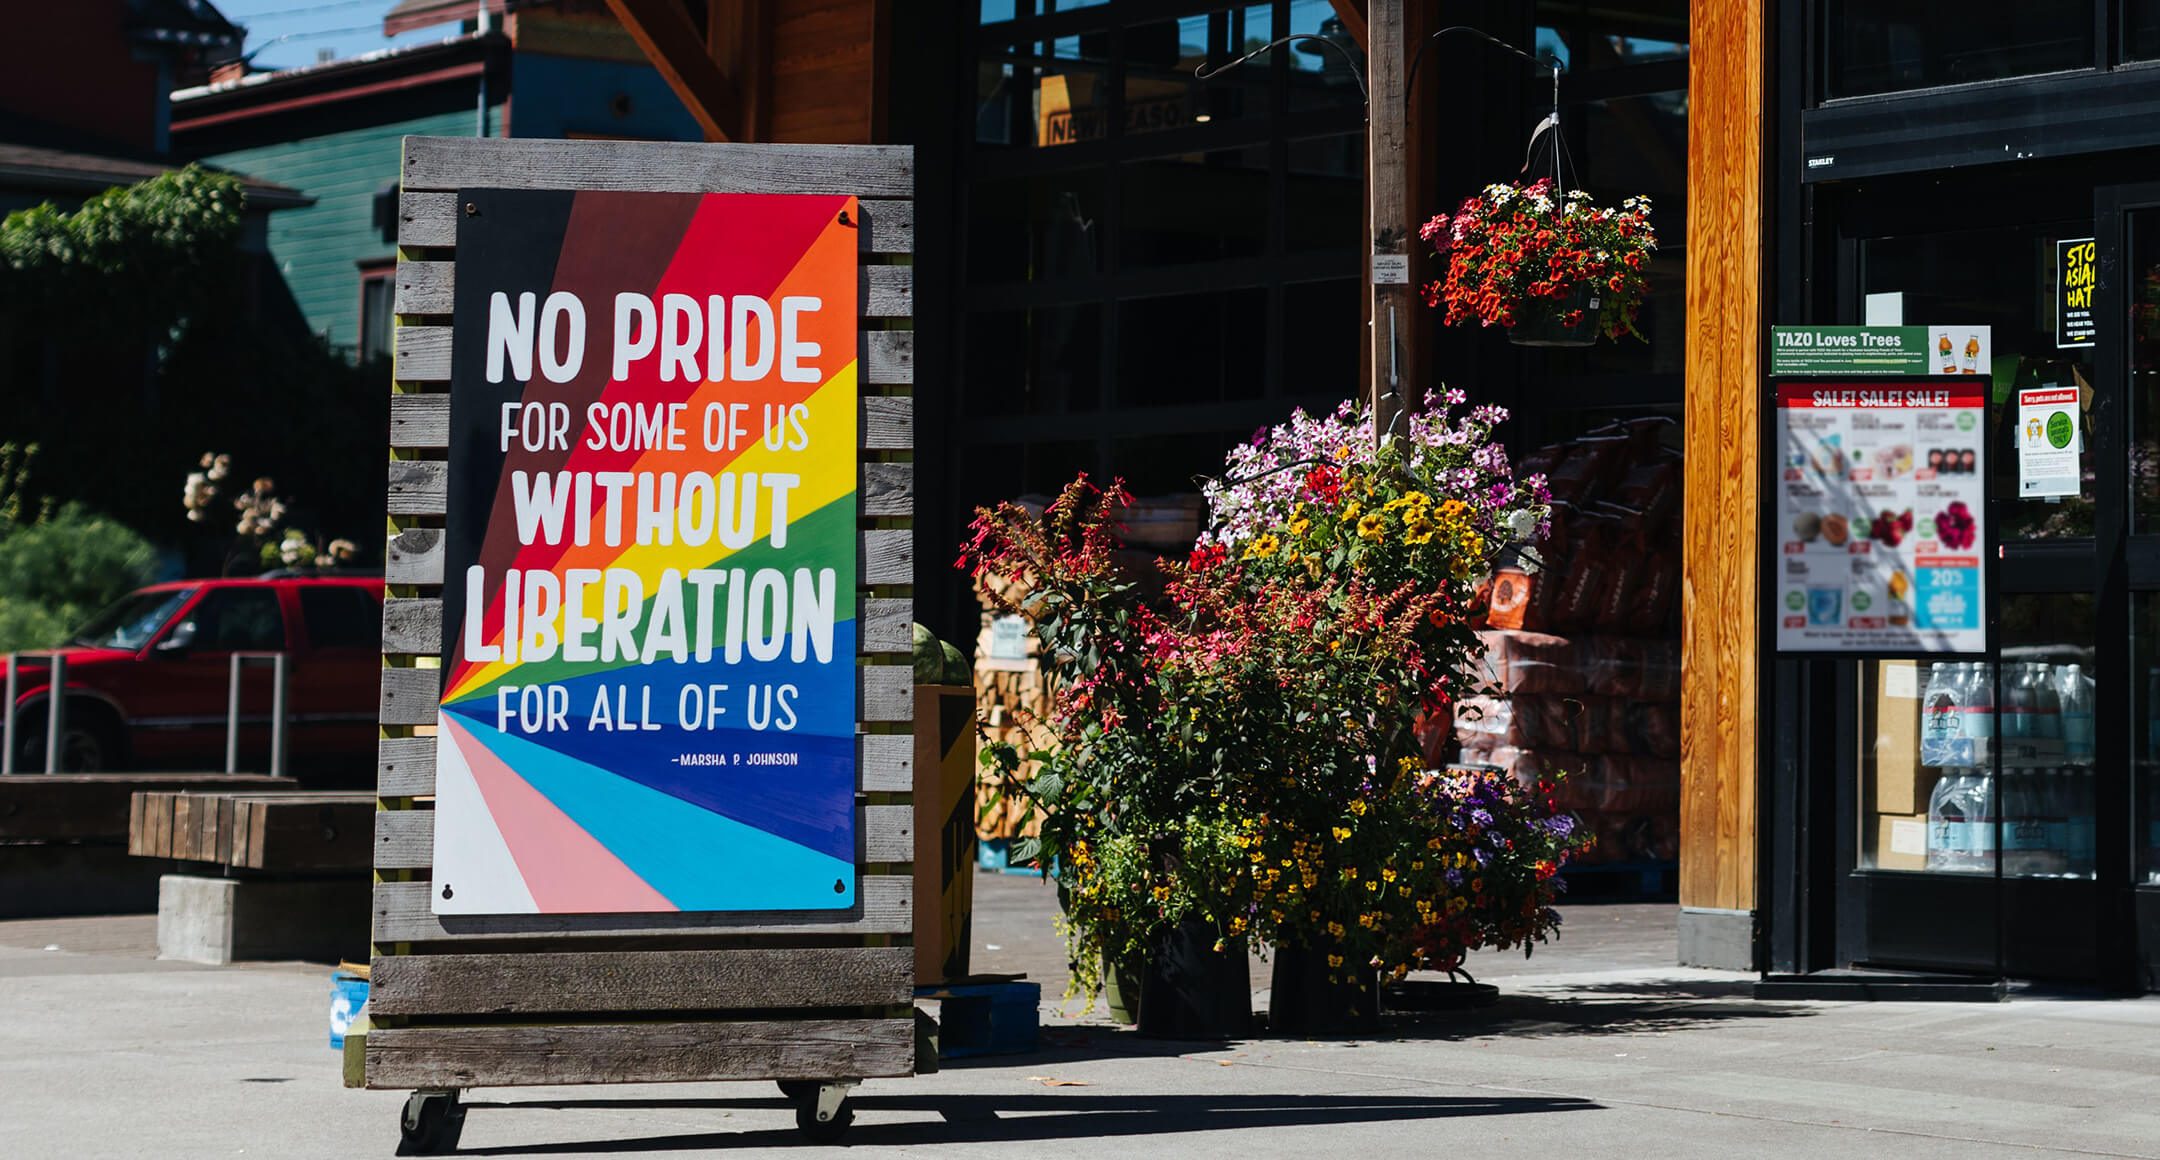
(147, 679)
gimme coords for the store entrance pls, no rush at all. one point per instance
(1997, 818)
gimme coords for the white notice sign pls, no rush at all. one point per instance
(2048, 442)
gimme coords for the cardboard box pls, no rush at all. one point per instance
(1902, 784)
(944, 831)
(1901, 841)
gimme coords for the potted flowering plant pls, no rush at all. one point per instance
(1553, 268)
(1240, 759)
(1133, 817)
(1364, 862)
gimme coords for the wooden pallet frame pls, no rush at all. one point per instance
(471, 1001)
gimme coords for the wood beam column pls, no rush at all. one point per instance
(1389, 377)
(1721, 647)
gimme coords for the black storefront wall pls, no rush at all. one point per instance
(2061, 152)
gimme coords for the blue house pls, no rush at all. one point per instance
(332, 132)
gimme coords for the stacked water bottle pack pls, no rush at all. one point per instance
(2034, 724)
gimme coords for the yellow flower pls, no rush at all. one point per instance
(1350, 511)
(1358, 807)
(1372, 527)
(1371, 885)
(1334, 645)
(1388, 875)
(1263, 547)
(1335, 928)
(1341, 834)
(1334, 960)
(1300, 526)
(1453, 508)
(1421, 499)
(1419, 532)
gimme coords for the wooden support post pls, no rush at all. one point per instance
(1388, 270)
(1720, 588)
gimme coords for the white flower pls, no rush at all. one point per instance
(1521, 524)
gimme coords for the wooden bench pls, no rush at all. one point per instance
(284, 832)
(277, 875)
(64, 839)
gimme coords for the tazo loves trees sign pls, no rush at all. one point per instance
(648, 617)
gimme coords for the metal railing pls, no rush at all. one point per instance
(56, 708)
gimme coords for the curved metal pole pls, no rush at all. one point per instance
(1552, 66)
(1204, 72)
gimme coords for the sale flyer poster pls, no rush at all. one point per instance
(649, 683)
(1879, 508)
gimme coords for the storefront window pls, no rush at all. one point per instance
(1586, 36)
(2001, 279)
(2144, 286)
(1887, 46)
(1964, 760)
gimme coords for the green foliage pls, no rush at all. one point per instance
(132, 260)
(55, 573)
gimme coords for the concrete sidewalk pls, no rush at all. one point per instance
(105, 1052)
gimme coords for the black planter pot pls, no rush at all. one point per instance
(1305, 1001)
(1190, 990)
(1546, 329)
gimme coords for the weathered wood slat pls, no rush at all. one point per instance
(419, 420)
(884, 905)
(886, 762)
(888, 489)
(410, 696)
(888, 423)
(707, 980)
(429, 219)
(460, 1057)
(412, 626)
(888, 226)
(419, 487)
(886, 625)
(885, 693)
(424, 288)
(405, 766)
(449, 163)
(405, 839)
(887, 556)
(414, 556)
(888, 357)
(423, 354)
(887, 291)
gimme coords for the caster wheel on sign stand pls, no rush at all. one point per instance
(822, 1115)
(818, 1131)
(431, 1124)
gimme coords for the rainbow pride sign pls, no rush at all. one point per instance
(649, 590)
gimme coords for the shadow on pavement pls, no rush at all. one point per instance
(1002, 1118)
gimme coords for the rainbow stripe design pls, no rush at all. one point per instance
(616, 803)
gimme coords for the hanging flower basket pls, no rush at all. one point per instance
(1552, 268)
(1570, 323)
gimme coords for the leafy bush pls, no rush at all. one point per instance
(54, 574)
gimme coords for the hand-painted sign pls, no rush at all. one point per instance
(649, 605)
(1879, 350)
(2076, 273)
(1880, 500)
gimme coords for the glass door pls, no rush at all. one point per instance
(1973, 807)
(2128, 231)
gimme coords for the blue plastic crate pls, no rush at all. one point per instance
(348, 993)
(986, 1018)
